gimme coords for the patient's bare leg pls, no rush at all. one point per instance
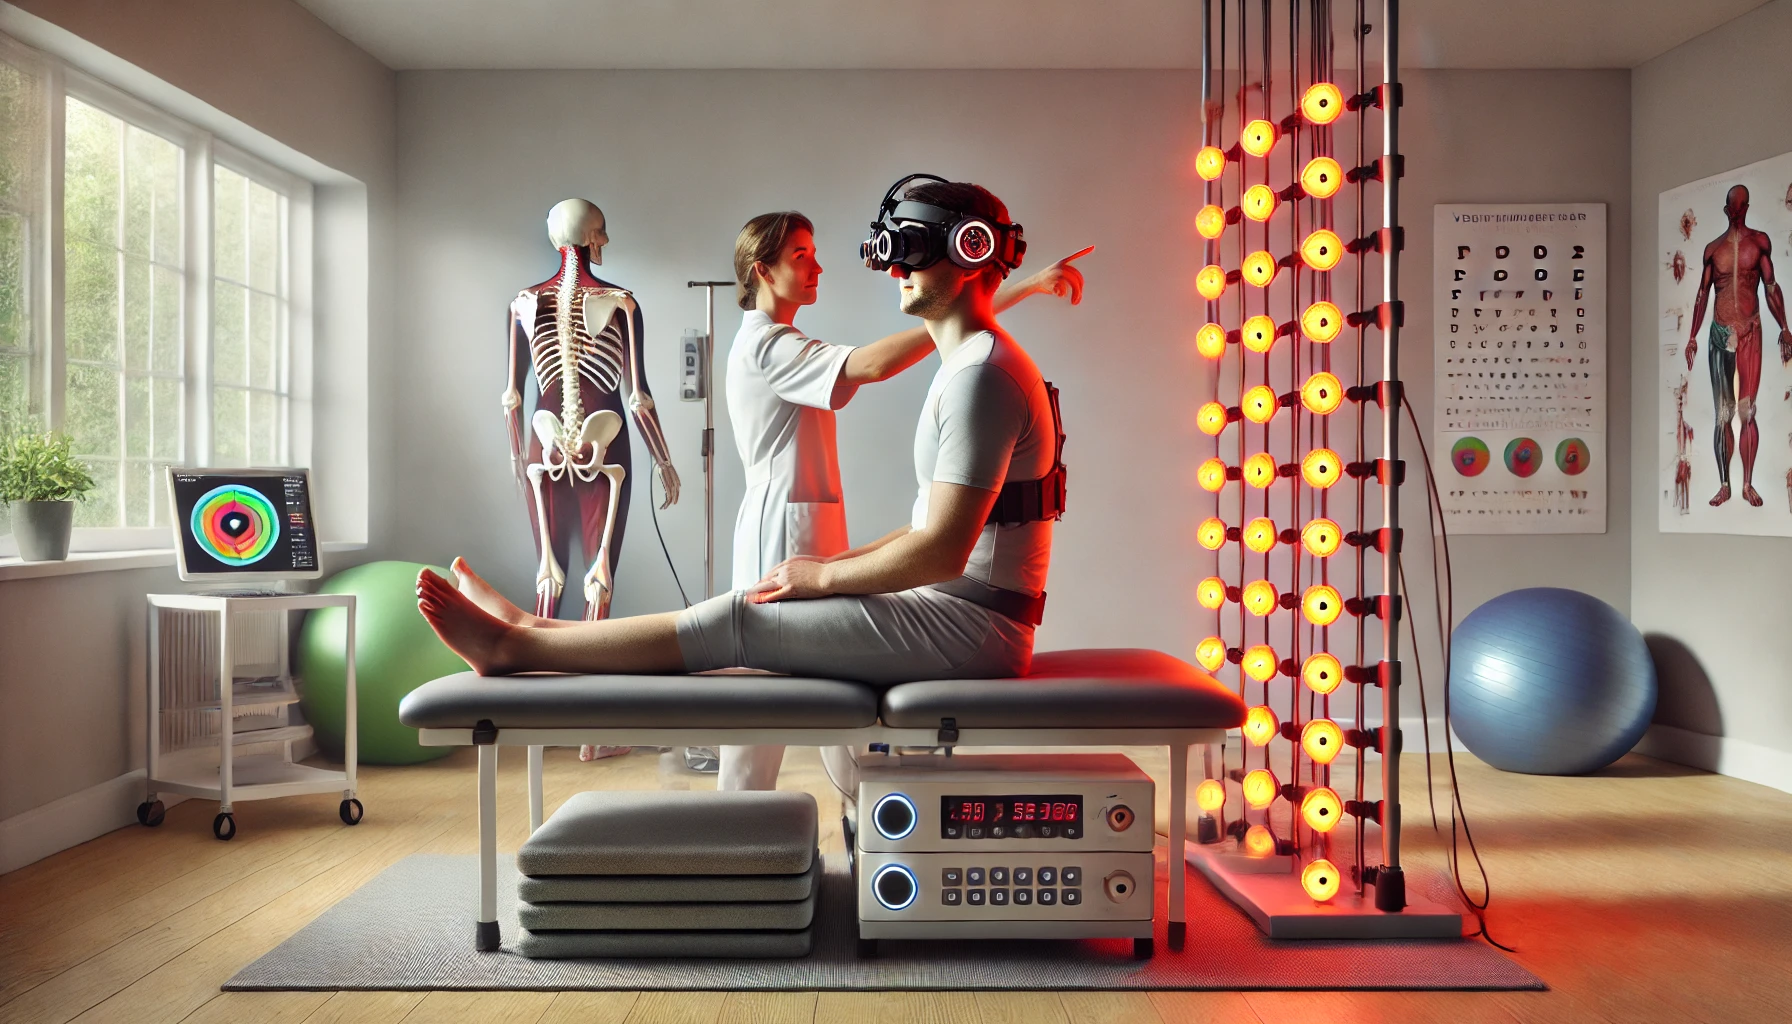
(646, 644)
(493, 603)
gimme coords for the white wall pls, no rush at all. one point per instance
(1715, 607)
(71, 647)
(678, 160)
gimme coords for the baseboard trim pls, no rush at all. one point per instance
(30, 837)
(1724, 755)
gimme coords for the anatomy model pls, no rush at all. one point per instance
(1682, 465)
(575, 362)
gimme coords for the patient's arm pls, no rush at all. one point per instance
(902, 561)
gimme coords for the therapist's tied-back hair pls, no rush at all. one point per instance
(760, 242)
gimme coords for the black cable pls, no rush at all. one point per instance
(654, 509)
(1448, 596)
(1418, 665)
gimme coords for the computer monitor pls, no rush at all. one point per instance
(243, 524)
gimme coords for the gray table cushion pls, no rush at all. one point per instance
(727, 701)
(1093, 689)
(669, 888)
(565, 945)
(661, 917)
(677, 832)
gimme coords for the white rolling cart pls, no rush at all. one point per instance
(201, 697)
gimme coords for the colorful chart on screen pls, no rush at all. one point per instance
(235, 524)
(1470, 456)
(1572, 456)
(1523, 456)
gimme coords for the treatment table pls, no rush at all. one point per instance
(1070, 698)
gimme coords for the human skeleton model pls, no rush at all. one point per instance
(1682, 465)
(1737, 264)
(575, 345)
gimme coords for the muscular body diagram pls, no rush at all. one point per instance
(1738, 267)
(575, 346)
(1682, 465)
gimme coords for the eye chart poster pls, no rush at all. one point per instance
(1519, 412)
(1723, 447)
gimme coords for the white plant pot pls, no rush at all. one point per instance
(42, 529)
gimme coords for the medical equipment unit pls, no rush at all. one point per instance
(993, 846)
(221, 683)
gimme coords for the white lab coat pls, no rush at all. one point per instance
(783, 388)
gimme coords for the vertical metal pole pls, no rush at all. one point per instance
(535, 752)
(1390, 885)
(351, 740)
(709, 443)
(227, 744)
(1178, 927)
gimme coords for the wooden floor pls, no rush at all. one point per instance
(1647, 893)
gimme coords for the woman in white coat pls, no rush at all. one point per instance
(783, 388)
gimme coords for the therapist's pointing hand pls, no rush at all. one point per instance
(1061, 279)
(796, 579)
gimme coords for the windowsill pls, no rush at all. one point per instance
(114, 561)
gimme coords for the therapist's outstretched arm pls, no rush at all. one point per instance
(933, 554)
(887, 357)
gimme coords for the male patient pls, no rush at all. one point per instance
(876, 614)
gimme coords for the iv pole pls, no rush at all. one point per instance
(709, 431)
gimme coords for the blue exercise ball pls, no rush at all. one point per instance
(1547, 681)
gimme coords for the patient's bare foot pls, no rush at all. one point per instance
(591, 753)
(485, 595)
(480, 639)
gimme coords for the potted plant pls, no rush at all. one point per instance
(40, 480)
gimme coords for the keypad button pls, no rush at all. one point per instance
(952, 897)
(952, 831)
(998, 897)
(1073, 832)
(1048, 876)
(1047, 831)
(975, 832)
(952, 876)
(998, 876)
(998, 831)
(975, 897)
(1023, 876)
(1071, 897)
(1047, 897)
(1071, 876)
(974, 876)
(1023, 897)
(1024, 830)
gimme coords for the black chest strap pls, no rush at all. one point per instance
(1036, 501)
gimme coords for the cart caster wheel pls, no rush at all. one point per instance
(151, 813)
(224, 827)
(350, 811)
(1142, 949)
(867, 949)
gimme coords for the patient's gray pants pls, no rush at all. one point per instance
(882, 639)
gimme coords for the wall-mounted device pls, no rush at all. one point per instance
(1005, 846)
(693, 366)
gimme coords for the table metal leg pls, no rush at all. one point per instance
(487, 938)
(1178, 928)
(534, 788)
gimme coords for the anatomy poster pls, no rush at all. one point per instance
(1519, 413)
(1724, 437)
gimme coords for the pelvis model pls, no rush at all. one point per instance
(575, 349)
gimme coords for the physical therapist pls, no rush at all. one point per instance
(783, 388)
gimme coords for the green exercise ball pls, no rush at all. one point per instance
(395, 652)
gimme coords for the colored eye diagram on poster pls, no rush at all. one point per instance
(1523, 456)
(235, 524)
(1470, 456)
(1572, 456)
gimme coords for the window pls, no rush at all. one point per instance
(168, 264)
(123, 280)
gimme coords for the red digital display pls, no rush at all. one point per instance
(1007, 812)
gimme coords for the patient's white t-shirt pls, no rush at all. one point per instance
(988, 421)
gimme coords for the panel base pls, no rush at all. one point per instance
(1283, 911)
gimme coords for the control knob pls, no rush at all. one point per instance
(894, 886)
(894, 816)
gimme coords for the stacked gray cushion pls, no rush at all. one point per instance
(672, 874)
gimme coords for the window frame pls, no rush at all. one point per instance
(200, 152)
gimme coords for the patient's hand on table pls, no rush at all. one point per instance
(793, 579)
